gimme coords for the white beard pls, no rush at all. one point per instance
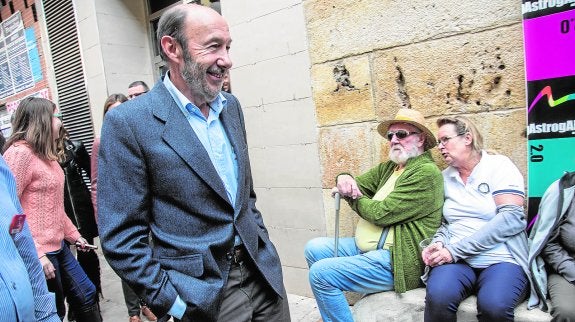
(402, 155)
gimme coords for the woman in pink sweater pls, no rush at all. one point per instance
(31, 154)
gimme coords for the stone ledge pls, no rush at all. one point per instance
(409, 306)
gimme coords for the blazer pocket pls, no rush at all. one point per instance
(190, 265)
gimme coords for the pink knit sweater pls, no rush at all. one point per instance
(40, 187)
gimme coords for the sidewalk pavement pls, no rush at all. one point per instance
(302, 309)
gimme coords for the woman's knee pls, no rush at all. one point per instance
(495, 308)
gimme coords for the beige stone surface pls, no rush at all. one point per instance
(340, 28)
(282, 123)
(337, 104)
(290, 244)
(272, 81)
(257, 33)
(292, 208)
(285, 166)
(347, 149)
(409, 306)
(468, 73)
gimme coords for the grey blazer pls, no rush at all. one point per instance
(155, 176)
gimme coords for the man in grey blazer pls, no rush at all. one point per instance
(174, 163)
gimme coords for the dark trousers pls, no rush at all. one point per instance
(132, 300)
(499, 289)
(561, 293)
(247, 297)
(70, 282)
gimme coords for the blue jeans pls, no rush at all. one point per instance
(353, 270)
(499, 289)
(70, 282)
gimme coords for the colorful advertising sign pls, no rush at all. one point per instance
(549, 30)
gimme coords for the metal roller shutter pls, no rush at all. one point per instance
(73, 98)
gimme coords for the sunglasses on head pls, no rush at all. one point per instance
(400, 134)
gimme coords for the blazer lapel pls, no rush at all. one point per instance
(180, 136)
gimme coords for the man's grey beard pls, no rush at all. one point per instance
(401, 157)
(193, 75)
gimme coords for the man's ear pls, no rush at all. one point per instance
(171, 48)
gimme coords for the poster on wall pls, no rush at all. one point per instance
(16, 72)
(549, 35)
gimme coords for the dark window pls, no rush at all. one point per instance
(11, 5)
(26, 4)
(155, 42)
(157, 5)
(3, 2)
(34, 13)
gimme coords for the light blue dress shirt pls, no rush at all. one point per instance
(213, 136)
(24, 295)
(215, 140)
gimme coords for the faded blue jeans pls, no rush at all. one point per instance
(369, 272)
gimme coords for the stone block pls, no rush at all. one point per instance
(283, 123)
(342, 91)
(340, 28)
(88, 32)
(237, 12)
(290, 244)
(121, 60)
(346, 149)
(93, 61)
(84, 9)
(285, 166)
(256, 43)
(296, 281)
(292, 208)
(467, 73)
(133, 33)
(271, 81)
(247, 91)
(409, 306)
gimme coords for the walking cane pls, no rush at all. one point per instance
(337, 199)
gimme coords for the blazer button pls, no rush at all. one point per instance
(229, 256)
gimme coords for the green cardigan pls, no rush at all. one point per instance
(413, 209)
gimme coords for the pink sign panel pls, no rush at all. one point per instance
(550, 46)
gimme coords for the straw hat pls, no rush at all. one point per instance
(413, 117)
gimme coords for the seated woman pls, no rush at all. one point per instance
(552, 250)
(481, 247)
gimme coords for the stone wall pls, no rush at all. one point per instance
(271, 78)
(371, 57)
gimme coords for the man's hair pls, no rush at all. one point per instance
(462, 126)
(172, 24)
(33, 123)
(138, 83)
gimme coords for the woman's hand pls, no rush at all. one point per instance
(81, 244)
(438, 257)
(429, 250)
(49, 270)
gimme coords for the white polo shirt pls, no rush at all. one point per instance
(469, 206)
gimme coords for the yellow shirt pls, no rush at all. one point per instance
(367, 235)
